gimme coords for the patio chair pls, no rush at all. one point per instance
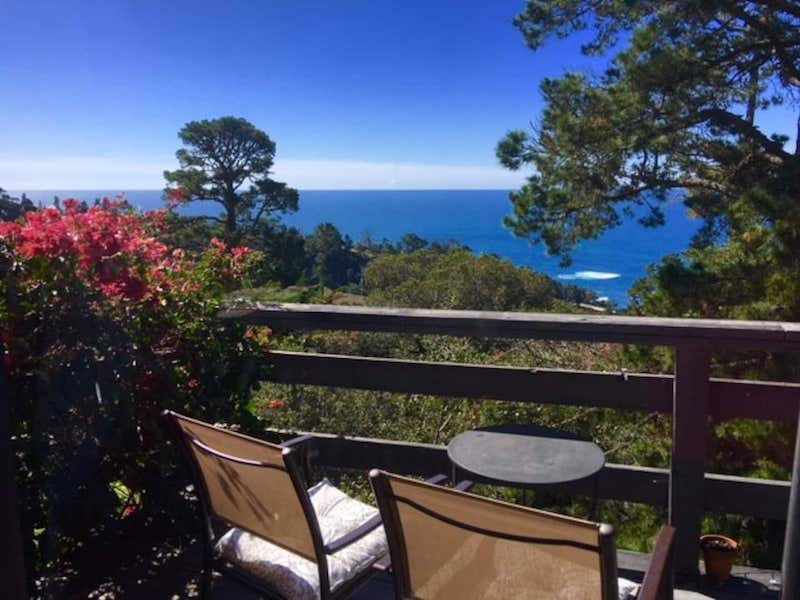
(449, 544)
(262, 527)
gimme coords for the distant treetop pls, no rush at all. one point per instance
(228, 161)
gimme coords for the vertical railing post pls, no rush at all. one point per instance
(790, 571)
(687, 471)
(12, 569)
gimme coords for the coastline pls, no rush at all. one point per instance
(608, 265)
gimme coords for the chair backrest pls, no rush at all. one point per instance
(248, 483)
(450, 544)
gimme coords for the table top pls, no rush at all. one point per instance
(525, 454)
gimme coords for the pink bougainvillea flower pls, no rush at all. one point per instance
(277, 404)
(9, 229)
(112, 248)
(71, 206)
(240, 252)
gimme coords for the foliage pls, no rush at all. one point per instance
(675, 113)
(460, 279)
(411, 242)
(104, 326)
(325, 257)
(11, 209)
(274, 292)
(676, 117)
(333, 260)
(330, 259)
(284, 250)
(220, 157)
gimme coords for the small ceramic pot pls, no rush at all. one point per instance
(719, 554)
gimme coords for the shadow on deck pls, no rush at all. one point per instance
(177, 577)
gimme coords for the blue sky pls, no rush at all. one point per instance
(357, 93)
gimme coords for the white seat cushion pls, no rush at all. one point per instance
(294, 576)
(627, 589)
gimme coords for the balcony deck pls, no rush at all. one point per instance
(690, 396)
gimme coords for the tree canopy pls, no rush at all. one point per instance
(459, 279)
(228, 161)
(11, 208)
(331, 260)
(675, 114)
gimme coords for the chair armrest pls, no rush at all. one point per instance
(439, 479)
(353, 536)
(299, 440)
(658, 579)
(464, 485)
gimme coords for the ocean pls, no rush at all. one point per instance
(608, 265)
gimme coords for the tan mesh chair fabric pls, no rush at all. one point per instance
(451, 553)
(256, 498)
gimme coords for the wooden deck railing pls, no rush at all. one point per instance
(689, 395)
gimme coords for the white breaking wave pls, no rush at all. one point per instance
(590, 275)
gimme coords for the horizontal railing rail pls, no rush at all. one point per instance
(691, 396)
(728, 398)
(650, 331)
(724, 494)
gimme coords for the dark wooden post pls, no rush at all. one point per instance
(790, 573)
(687, 471)
(12, 569)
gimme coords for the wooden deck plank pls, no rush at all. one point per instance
(746, 582)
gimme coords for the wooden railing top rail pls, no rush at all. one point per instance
(649, 331)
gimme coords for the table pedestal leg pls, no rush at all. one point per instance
(594, 507)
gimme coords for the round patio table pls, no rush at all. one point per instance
(525, 456)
